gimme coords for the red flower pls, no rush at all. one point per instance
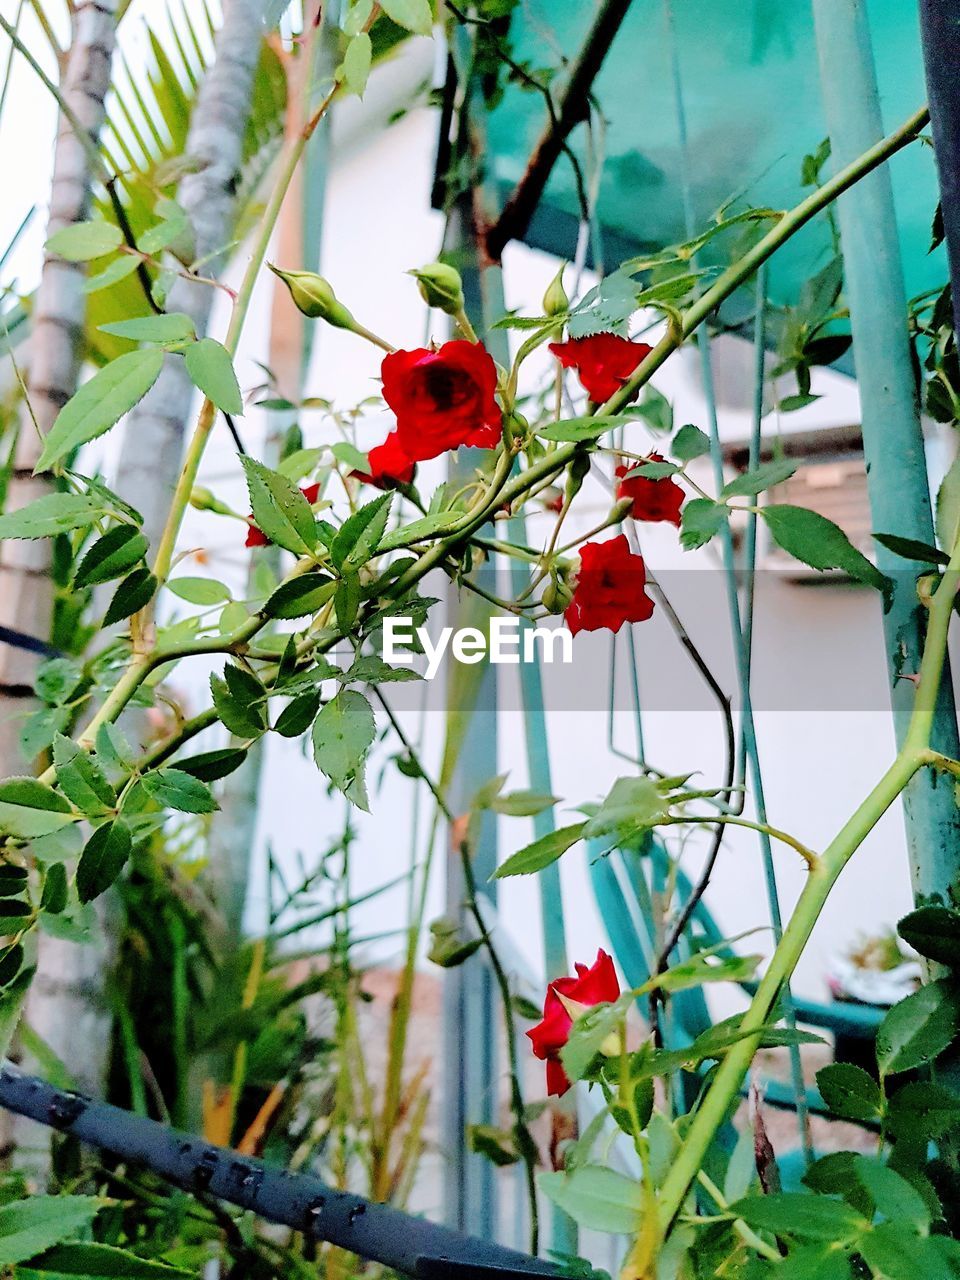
(603, 361)
(652, 499)
(389, 465)
(442, 399)
(609, 588)
(255, 536)
(596, 985)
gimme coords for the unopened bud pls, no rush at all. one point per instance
(314, 296)
(204, 500)
(557, 594)
(555, 300)
(441, 287)
(577, 472)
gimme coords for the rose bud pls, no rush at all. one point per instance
(555, 300)
(204, 500)
(440, 287)
(314, 296)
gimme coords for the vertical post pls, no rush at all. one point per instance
(890, 414)
(940, 31)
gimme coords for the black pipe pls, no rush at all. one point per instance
(374, 1231)
(940, 30)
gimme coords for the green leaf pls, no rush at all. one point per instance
(297, 716)
(917, 1029)
(46, 517)
(633, 805)
(934, 931)
(55, 890)
(701, 519)
(911, 549)
(596, 1197)
(92, 1261)
(849, 1091)
(800, 1214)
(300, 597)
(343, 733)
(29, 809)
(892, 1196)
(354, 71)
(103, 858)
(924, 1110)
(432, 526)
(894, 1251)
(135, 591)
(371, 669)
(540, 854)
(813, 1262)
(173, 327)
(948, 508)
(450, 945)
(588, 1033)
(14, 907)
(280, 509)
(111, 556)
(236, 715)
(211, 766)
(28, 1227)
(412, 15)
(577, 430)
(175, 789)
(763, 477)
(84, 241)
(359, 535)
(112, 273)
(101, 402)
(522, 804)
(496, 1145)
(346, 601)
(818, 542)
(204, 591)
(81, 779)
(689, 443)
(653, 471)
(211, 371)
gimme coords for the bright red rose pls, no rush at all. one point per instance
(603, 361)
(609, 588)
(596, 985)
(256, 538)
(442, 399)
(389, 465)
(652, 499)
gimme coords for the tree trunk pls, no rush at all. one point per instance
(60, 1007)
(153, 435)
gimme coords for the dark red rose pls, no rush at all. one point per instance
(652, 499)
(609, 588)
(596, 985)
(603, 361)
(256, 538)
(442, 399)
(389, 465)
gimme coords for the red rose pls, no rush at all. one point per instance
(603, 361)
(609, 588)
(596, 985)
(652, 499)
(256, 538)
(442, 399)
(389, 465)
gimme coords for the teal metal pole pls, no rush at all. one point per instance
(890, 416)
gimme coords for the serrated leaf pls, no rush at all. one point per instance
(849, 1091)
(689, 443)
(300, 597)
(343, 733)
(170, 327)
(94, 1261)
(203, 591)
(297, 716)
(818, 542)
(101, 402)
(802, 1215)
(354, 71)
(81, 779)
(412, 15)
(371, 669)
(211, 370)
(934, 931)
(360, 535)
(534, 857)
(917, 1029)
(30, 809)
(48, 516)
(597, 1198)
(111, 556)
(892, 1196)
(211, 766)
(174, 789)
(103, 858)
(240, 719)
(431, 526)
(280, 510)
(85, 241)
(27, 1227)
(135, 591)
(911, 549)
(112, 274)
(700, 521)
(55, 893)
(763, 477)
(574, 430)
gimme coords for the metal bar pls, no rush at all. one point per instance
(940, 31)
(890, 415)
(373, 1231)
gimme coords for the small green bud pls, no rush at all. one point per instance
(555, 300)
(314, 296)
(557, 594)
(577, 472)
(441, 287)
(204, 500)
